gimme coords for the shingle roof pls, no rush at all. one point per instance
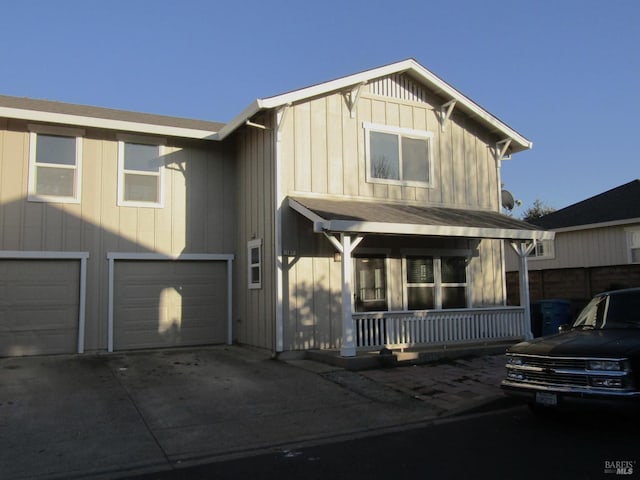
(620, 203)
(364, 216)
(24, 103)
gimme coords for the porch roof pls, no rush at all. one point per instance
(357, 216)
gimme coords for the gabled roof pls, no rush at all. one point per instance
(357, 216)
(85, 116)
(618, 205)
(410, 66)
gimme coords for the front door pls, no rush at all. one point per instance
(371, 284)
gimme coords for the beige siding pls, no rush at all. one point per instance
(324, 151)
(594, 247)
(254, 309)
(198, 217)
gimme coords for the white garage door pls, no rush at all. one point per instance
(39, 302)
(169, 303)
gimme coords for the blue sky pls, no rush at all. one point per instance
(564, 73)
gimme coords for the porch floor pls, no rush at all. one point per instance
(407, 356)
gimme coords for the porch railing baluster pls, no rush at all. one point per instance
(439, 327)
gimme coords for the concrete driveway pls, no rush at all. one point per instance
(110, 416)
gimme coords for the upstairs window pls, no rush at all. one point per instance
(55, 159)
(398, 156)
(140, 173)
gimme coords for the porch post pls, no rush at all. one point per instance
(348, 348)
(523, 250)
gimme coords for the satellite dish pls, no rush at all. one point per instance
(508, 201)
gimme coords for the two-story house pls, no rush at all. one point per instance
(358, 213)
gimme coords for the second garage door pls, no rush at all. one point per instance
(169, 303)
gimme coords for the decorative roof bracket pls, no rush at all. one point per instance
(352, 96)
(445, 113)
(501, 149)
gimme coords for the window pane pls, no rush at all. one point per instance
(145, 158)
(255, 255)
(420, 270)
(454, 297)
(415, 160)
(454, 270)
(255, 275)
(420, 298)
(635, 255)
(140, 188)
(384, 156)
(55, 149)
(55, 181)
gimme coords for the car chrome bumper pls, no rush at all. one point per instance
(572, 395)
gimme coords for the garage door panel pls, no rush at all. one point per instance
(170, 303)
(39, 306)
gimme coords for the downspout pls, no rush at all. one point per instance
(279, 199)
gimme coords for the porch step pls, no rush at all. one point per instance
(413, 356)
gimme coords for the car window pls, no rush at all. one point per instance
(624, 310)
(592, 316)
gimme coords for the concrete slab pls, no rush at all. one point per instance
(113, 416)
(69, 416)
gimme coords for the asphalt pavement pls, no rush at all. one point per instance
(120, 415)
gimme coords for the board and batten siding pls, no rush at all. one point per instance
(323, 153)
(594, 247)
(198, 214)
(323, 148)
(254, 309)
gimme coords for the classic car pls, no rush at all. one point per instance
(594, 361)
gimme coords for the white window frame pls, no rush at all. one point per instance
(633, 242)
(400, 132)
(252, 245)
(438, 284)
(160, 143)
(34, 131)
(548, 250)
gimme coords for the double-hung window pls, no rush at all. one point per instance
(633, 235)
(55, 164)
(436, 282)
(140, 172)
(398, 156)
(254, 254)
(542, 249)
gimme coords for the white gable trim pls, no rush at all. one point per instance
(434, 82)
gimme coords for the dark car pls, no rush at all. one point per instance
(594, 361)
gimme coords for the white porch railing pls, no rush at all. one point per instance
(439, 327)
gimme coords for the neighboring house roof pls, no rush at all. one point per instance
(411, 67)
(388, 218)
(81, 115)
(618, 205)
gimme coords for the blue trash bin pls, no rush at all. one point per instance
(555, 313)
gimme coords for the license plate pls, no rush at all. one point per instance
(544, 398)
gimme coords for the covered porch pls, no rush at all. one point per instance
(346, 223)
